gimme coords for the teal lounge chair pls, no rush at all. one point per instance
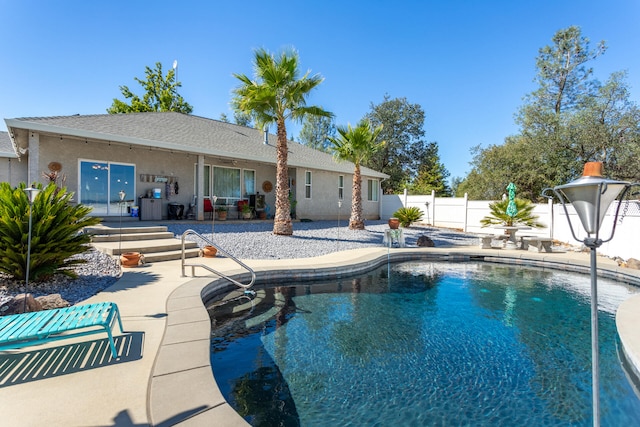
(26, 329)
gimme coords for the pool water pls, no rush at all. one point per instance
(424, 343)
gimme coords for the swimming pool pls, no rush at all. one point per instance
(423, 343)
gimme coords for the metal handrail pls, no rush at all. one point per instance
(214, 271)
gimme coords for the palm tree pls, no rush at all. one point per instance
(275, 95)
(499, 216)
(356, 145)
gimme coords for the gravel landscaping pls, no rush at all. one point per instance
(244, 240)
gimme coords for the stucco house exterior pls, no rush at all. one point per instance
(178, 158)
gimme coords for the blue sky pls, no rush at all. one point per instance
(467, 63)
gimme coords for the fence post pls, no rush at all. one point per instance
(433, 207)
(550, 220)
(466, 211)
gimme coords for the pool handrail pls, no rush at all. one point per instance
(214, 271)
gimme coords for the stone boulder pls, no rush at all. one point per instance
(52, 301)
(633, 263)
(425, 241)
(16, 305)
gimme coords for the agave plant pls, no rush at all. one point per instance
(524, 215)
(409, 215)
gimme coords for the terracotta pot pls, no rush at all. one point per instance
(130, 259)
(222, 216)
(394, 223)
(209, 251)
(262, 215)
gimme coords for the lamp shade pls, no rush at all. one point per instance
(591, 195)
(32, 193)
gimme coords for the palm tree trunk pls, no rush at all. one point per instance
(282, 219)
(356, 222)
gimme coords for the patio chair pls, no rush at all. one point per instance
(208, 206)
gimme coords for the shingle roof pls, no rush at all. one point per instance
(6, 147)
(182, 132)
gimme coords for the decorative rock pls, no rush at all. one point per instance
(425, 241)
(49, 302)
(16, 305)
(633, 263)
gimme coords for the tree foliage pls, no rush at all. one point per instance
(161, 94)
(432, 175)
(357, 145)
(56, 232)
(316, 132)
(570, 119)
(276, 94)
(409, 161)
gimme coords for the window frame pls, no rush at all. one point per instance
(373, 190)
(308, 184)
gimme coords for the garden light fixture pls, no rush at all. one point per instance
(32, 193)
(591, 195)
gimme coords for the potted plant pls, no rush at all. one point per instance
(246, 211)
(261, 207)
(406, 216)
(222, 212)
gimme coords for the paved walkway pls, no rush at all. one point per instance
(163, 376)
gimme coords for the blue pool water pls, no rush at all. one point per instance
(421, 344)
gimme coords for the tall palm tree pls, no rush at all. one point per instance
(277, 94)
(356, 145)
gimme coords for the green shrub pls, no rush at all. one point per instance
(524, 217)
(407, 216)
(55, 237)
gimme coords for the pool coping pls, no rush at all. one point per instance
(182, 388)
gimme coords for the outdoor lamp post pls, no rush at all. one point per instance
(122, 195)
(32, 193)
(591, 195)
(213, 214)
(338, 232)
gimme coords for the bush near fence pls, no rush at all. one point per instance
(462, 214)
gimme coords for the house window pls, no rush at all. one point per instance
(226, 183)
(249, 179)
(372, 190)
(307, 185)
(340, 187)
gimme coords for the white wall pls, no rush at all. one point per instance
(465, 215)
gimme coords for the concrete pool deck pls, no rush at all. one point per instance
(164, 377)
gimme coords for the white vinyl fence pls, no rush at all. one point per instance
(462, 214)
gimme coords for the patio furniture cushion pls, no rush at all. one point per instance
(25, 329)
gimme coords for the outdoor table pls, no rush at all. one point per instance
(512, 232)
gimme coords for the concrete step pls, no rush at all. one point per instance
(170, 255)
(104, 230)
(143, 246)
(131, 236)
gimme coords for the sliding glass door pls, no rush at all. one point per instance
(100, 184)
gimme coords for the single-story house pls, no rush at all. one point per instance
(178, 158)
